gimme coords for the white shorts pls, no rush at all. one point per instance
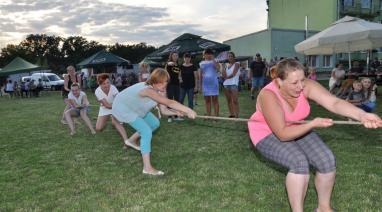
(104, 111)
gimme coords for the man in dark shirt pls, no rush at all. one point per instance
(257, 74)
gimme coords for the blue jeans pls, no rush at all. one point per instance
(257, 82)
(368, 107)
(190, 96)
(145, 127)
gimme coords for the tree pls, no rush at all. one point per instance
(77, 48)
(135, 53)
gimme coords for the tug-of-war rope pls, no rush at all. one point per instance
(293, 122)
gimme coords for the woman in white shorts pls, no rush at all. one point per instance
(105, 94)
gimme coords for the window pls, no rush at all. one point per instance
(312, 60)
(349, 3)
(327, 61)
(366, 4)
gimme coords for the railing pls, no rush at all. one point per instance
(358, 11)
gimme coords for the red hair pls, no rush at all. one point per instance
(101, 78)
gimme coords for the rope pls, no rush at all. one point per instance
(293, 122)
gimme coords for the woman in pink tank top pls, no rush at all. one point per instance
(297, 146)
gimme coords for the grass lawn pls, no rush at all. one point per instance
(208, 164)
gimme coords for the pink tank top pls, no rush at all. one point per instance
(258, 127)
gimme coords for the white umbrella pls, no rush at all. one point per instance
(345, 35)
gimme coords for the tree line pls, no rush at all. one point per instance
(55, 52)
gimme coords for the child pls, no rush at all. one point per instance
(312, 74)
(356, 97)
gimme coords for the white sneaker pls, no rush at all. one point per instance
(158, 173)
(178, 119)
(169, 120)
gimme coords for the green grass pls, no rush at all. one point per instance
(209, 165)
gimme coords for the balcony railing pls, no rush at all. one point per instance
(358, 11)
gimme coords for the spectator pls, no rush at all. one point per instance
(9, 88)
(16, 89)
(40, 87)
(369, 92)
(144, 73)
(375, 64)
(173, 87)
(336, 77)
(188, 79)
(356, 96)
(257, 74)
(231, 82)
(209, 83)
(312, 74)
(355, 70)
(119, 83)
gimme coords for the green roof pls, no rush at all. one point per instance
(18, 65)
(102, 57)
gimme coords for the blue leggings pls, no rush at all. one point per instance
(145, 127)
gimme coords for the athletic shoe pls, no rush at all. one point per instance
(158, 173)
(178, 119)
(169, 120)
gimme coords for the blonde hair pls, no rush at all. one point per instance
(102, 78)
(288, 65)
(143, 65)
(273, 72)
(159, 75)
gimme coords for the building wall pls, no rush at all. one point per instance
(249, 45)
(290, 14)
(283, 42)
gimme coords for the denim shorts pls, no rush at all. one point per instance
(78, 111)
(231, 87)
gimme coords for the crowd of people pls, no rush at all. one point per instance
(282, 92)
(22, 89)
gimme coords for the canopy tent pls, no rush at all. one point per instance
(18, 65)
(346, 35)
(103, 58)
(223, 57)
(187, 43)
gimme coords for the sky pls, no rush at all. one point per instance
(130, 21)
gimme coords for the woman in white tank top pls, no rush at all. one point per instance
(231, 84)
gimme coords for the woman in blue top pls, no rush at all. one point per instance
(209, 84)
(133, 106)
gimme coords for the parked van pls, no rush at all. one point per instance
(49, 80)
(27, 78)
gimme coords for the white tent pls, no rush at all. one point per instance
(345, 35)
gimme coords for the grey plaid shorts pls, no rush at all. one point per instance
(299, 154)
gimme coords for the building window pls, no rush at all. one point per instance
(366, 4)
(327, 61)
(313, 60)
(349, 3)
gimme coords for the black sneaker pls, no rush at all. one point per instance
(253, 97)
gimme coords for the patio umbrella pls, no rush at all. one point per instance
(187, 42)
(345, 35)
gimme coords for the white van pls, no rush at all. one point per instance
(49, 80)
